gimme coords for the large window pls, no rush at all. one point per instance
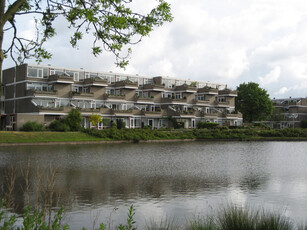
(39, 86)
(35, 72)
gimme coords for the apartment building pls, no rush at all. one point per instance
(44, 93)
(289, 113)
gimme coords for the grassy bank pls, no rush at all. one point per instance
(38, 137)
(146, 134)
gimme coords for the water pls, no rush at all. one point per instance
(98, 183)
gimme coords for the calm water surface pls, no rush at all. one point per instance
(175, 180)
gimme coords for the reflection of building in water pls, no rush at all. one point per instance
(44, 93)
(76, 189)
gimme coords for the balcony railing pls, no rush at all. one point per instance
(202, 102)
(32, 92)
(154, 87)
(185, 87)
(232, 115)
(207, 90)
(228, 92)
(173, 100)
(96, 81)
(126, 83)
(50, 109)
(113, 97)
(221, 103)
(61, 79)
(81, 95)
(144, 99)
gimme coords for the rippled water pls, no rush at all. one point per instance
(176, 180)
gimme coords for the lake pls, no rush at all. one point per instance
(178, 180)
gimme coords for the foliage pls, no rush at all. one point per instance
(120, 124)
(174, 123)
(304, 124)
(31, 219)
(95, 119)
(74, 119)
(60, 125)
(276, 115)
(253, 102)
(113, 24)
(31, 126)
(207, 125)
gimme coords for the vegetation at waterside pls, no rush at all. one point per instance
(218, 133)
(136, 135)
(227, 218)
(41, 137)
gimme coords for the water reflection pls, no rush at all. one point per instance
(161, 178)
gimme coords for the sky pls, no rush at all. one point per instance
(222, 41)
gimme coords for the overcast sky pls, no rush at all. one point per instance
(223, 41)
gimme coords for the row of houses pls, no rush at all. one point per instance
(288, 113)
(45, 93)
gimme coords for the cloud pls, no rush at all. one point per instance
(271, 77)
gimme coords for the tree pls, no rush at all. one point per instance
(253, 102)
(113, 24)
(74, 119)
(95, 119)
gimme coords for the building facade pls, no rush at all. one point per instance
(44, 93)
(289, 112)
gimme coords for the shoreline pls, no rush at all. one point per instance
(148, 141)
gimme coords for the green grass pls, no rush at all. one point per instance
(36, 137)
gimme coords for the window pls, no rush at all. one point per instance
(35, 72)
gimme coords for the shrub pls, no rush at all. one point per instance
(304, 124)
(208, 125)
(74, 119)
(120, 124)
(59, 125)
(31, 126)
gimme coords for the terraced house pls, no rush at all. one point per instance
(44, 93)
(289, 113)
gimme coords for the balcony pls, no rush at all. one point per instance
(186, 88)
(61, 79)
(95, 82)
(88, 110)
(50, 109)
(113, 97)
(201, 102)
(151, 113)
(232, 115)
(213, 115)
(37, 93)
(221, 103)
(144, 99)
(126, 84)
(208, 90)
(76, 95)
(154, 87)
(173, 100)
(228, 92)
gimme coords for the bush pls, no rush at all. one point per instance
(59, 125)
(31, 126)
(304, 124)
(74, 119)
(207, 125)
(120, 124)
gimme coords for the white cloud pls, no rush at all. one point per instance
(271, 77)
(282, 91)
